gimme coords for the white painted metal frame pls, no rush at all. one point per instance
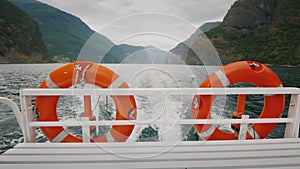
(27, 123)
(14, 108)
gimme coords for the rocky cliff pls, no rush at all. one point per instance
(262, 30)
(20, 38)
(65, 35)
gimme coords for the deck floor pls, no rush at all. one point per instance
(277, 153)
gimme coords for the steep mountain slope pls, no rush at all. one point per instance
(262, 30)
(183, 48)
(20, 38)
(64, 33)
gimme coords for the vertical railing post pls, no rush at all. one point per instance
(26, 108)
(85, 129)
(244, 128)
(292, 129)
(165, 119)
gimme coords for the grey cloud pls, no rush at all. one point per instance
(99, 14)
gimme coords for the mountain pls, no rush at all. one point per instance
(65, 34)
(118, 53)
(183, 48)
(262, 30)
(144, 55)
(129, 49)
(20, 38)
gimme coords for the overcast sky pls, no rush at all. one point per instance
(160, 23)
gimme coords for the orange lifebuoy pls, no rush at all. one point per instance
(90, 73)
(244, 71)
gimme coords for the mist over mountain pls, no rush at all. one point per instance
(182, 50)
(144, 55)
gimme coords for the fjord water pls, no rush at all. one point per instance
(14, 77)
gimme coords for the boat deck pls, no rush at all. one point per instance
(275, 153)
(281, 153)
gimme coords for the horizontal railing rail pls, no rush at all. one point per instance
(28, 123)
(161, 122)
(167, 91)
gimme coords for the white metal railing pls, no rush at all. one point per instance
(14, 108)
(28, 125)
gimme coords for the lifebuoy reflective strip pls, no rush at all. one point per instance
(245, 71)
(90, 73)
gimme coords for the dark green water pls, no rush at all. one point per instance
(290, 76)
